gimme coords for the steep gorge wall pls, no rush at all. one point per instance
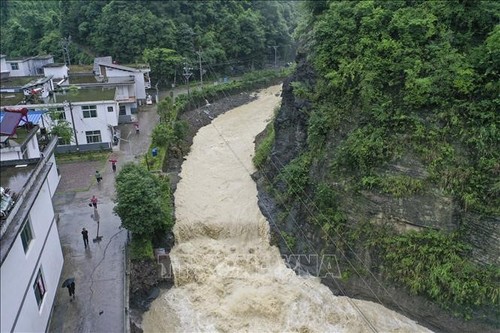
(429, 209)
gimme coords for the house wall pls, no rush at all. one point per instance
(19, 309)
(140, 88)
(30, 150)
(23, 68)
(103, 122)
(56, 72)
(28, 67)
(125, 92)
(53, 177)
(37, 65)
(11, 153)
(4, 69)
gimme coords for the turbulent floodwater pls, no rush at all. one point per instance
(227, 276)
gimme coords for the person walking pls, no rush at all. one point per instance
(71, 290)
(85, 235)
(113, 164)
(98, 176)
(136, 125)
(93, 201)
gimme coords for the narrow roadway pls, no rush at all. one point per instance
(99, 270)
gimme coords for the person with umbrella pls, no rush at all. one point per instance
(70, 284)
(113, 164)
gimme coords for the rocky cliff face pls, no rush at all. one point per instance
(429, 209)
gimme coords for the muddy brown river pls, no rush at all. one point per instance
(227, 276)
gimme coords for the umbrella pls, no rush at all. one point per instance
(67, 282)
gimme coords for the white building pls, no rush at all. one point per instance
(31, 258)
(3, 67)
(116, 73)
(27, 66)
(93, 104)
(58, 73)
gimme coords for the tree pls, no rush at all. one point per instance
(139, 201)
(162, 61)
(61, 128)
(63, 131)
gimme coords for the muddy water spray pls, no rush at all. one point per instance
(227, 276)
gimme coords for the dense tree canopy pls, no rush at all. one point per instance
(416, 74)
(140, 203)
(228, 32)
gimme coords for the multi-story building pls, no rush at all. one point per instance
(31, 257)
(93, 103)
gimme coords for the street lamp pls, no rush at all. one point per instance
(68, 104)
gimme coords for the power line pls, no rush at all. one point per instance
(340, 288)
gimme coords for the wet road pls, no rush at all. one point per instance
(99, 270)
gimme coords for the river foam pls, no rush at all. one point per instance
(227, 276)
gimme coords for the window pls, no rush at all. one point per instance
(14, 66)
(26, 235)
(39, 287)
(123, 110)
(110, 109)
(89, 111)
(93, 136)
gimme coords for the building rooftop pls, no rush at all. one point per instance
(8, 99)
(128, 68)
(78, 79)
(85, 95)
(55, 64)
(37, 81)
(15, 177)
(17, 81)
(81, 68)
(38, 57)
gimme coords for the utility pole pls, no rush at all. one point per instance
(96, 218)
(65, 42)
(187, 74)
(201, 69)
(275, 47)
(68, 104)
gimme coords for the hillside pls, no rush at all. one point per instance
(385, 157)
(197, 31)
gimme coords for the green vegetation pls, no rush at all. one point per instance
(82, 156)
(398, 79)
(418, 76)
(134, 31)
(141, 249)
(436, 265)
(264, 148)
(169, 133)
(398, 186)
(296, 176)
(142, 202)
(290, 240)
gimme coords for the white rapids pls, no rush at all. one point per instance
(227, 276)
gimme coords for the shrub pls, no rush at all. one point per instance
(264, 149)
(141, 248)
